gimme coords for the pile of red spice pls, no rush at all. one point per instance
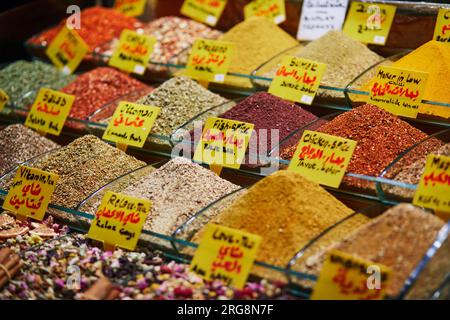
(96, 88)
(98, 25)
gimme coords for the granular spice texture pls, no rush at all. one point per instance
(98, 25)
(287, 211)
(256, 40)
(21, 80)
(18, 144)
(95, 88)
(398, 239)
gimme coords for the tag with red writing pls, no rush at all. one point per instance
(30, 192)
(346, 277)
(433, 191)
(119, 220)
(205, 11)
(67, 50)
(132, 52)
(225, 254)
(398, 91)
(322, 158)
(297, 79)
(442, 27)
(131, 8)
(209, 60)
(272, 9)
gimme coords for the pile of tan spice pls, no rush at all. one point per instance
(398, 239)
(256, 41)
(18, 144)
(345, 59)
(287, 211)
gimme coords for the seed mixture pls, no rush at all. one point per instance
(18, 144)
(21, 80)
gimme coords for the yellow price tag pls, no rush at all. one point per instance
(398, 91)
(209, 60)
(223, 142)
(206, 11)
(30, 192)
(345, 277)
(3, 99)
(119, 220)
(131, 8)
(322, 158)
(225, 254)
(369, 22)
(67, 50)
(273, 9)
(133, 51)
(49, 111)
(433, 191)
(442, 27)
(297, 79)
(131, 124)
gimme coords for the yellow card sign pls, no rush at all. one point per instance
(67, 50)
(225, 254)
(132, 52)
(49, 111)
(30, 192)
(322, 158)
(442, 27)
(369, 22)
(272, 9)
(3, 99)
(345, 277)
(209, 60)
(206, 11)
(131, 8)
(131, 124)
(398, 91)
(433, 191)
(223, 142)
(297, 79)
(119, 220)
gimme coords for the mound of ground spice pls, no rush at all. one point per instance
(18, 144)
(398, 239)
(256, 41)
(287, 211)
(98, 25)
(380, 137)
(97, 87)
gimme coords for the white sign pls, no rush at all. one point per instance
(320, 16)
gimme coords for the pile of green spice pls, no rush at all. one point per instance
(345, 59)
(22, 78)
(18, 144)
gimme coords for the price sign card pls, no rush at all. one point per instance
(132, 52)
(131, 124)
(67, 50)
(3, 99)
(119, 220)
(297, 79)
(442, 27)
(272, 9)
(319, 17)
(225, 254)
(345, 277)
(398, 91)
(369, 22)
(322, 158)
(131, 8)
(223, 142)
(433, 191)
(206, 11)
(30, 192)
(49, 111)
(209, 60)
